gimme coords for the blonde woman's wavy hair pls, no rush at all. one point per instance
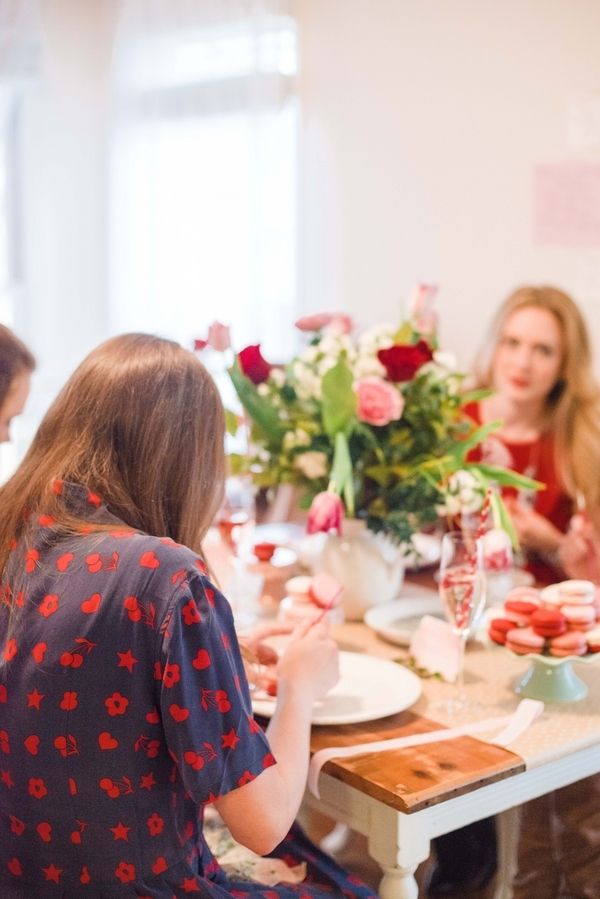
(572, 410)
(140, 423)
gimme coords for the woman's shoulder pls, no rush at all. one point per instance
(160, 558)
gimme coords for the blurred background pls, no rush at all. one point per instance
(167, 162)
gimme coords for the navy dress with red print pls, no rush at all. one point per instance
(124, 709)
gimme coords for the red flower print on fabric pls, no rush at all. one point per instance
(125, 872)
(49, 605)
(116, 704)
(171, 675)
(69, 702)
(191, 613)
(155, 824)
(36, 787)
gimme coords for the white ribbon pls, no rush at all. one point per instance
(512, 726)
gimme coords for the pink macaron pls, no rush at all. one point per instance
(523, 640)
(573, 643)
(524, 594)
(593, 639)
(579, 618)
(577, 593)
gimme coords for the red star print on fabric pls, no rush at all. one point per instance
(190, 885)
(52, 873)
(121, 832)
(127, 660)
(147, 781)
(34, 699)
(229, 740)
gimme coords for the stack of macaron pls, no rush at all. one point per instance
(560, 620)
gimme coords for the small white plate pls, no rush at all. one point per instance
(427, 551)
(397, 621)
(368, 688)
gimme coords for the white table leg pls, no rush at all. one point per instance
(508, 825)
(399, 846)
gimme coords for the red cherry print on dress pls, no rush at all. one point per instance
(72, 786)
(76, 837)
(222, 701)
(92, 604)
(66, 745)
(16, 825)
(84, 877)
(94, 562)
(69, 702)
(63, 562)
(14, 866)
(194, 760)
(178, 713)
(202, 660)
(149, 560)
(107, 741)
(38, 652)
(31, 558)
(32, 744)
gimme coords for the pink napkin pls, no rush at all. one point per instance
(436, 648)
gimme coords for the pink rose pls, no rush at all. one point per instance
(218, 337)
(253, 365)
(422, 313)
(378, 402)
(326, 513)
(338, 322)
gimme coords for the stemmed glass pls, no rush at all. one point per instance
(235, 522)
(462, 591)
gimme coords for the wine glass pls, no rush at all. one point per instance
(462, 591)
(235, 522)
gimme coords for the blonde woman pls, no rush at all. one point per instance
(538, 361)
(124, 706)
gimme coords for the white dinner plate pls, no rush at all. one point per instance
(398, 620)
(427, 551)
(368, 688)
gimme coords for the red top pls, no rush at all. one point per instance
(535, 459)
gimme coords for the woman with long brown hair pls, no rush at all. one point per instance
(124, 706)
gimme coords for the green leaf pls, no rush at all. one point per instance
(478, 435)
(502, 518)
(404, 334)
(338, 399)
(231, 422)
(341, 472)
(260, 410)
(505, 477)
(475, 396)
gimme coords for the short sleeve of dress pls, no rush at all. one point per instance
(203, 695)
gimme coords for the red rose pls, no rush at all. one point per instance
(253, 365)
(402, 361)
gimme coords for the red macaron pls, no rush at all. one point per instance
(548, 622)
(498, 629)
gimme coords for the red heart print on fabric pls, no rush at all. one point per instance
(38, 652)
(178, 713)
(32, 744)
(149, 560)
(92, 604)
(14, 866)
(202, 660)
(44, 830)
(153, 717)
(107, 741)
(94, 562)
(63, 562)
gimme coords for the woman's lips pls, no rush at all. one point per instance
(519, 382)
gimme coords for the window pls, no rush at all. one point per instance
(203, 182)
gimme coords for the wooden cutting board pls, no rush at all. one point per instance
(414, 778)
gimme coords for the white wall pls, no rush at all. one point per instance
(424, 120)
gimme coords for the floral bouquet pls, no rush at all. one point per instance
(368, 426)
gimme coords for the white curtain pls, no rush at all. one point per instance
(204, 170)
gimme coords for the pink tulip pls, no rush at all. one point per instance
(378, 402)
(423, 314)
(219, 337)
(338, 322)
(326, 513)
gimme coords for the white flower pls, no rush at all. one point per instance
(368, 367)
(292, 439)
(277, 377)
(463, 494)
(312, 464)
(445, 360)
(263, 389)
